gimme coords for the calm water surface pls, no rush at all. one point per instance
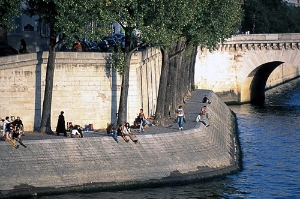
(270, 141)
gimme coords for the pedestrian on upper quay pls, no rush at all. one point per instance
(112, 132)
(77, 47)
(61, 124)
(180, 117)
(23, 47)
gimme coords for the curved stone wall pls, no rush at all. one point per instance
(53, 165)
(86, 87)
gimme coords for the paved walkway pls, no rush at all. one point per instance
(191, 107)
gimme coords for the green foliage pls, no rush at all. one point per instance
(8, 10)
(118, 61)
(72, 18)
(270, 16)
(213, 22)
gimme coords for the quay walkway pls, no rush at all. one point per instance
(163, 155)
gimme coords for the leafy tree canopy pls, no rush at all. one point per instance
(270, 16)
(72, 18)
(8, 10)
(213, 22)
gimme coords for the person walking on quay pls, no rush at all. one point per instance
(180, 117)
(61, 125)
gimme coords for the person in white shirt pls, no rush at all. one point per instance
(76, 132)
(5, 129)
(202, 116)
(127, 131)
(180, 117)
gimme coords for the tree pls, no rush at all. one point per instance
(144, 16)
(270, 16)
(163, 24)
(8, 10)
(66, 18)
(211, 22)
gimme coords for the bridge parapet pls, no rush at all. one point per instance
(259, 46)
(262, 42)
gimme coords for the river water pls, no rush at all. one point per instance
(270, 142)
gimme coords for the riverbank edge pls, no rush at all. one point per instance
(175, 178)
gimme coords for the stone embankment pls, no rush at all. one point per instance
(53, 164)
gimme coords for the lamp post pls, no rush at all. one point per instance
(253, 27)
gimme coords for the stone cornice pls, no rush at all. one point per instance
(259, 46)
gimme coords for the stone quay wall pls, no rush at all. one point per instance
(62, 165)
(86, 87)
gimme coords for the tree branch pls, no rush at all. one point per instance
(177, 53)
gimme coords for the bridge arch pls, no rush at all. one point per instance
(242, 68)
(258, 70)
(256, 81)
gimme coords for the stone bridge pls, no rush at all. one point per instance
(242, 68)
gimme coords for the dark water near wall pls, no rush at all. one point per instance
(270, 141)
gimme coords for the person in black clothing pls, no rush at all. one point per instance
(16, 135)
(205, 100)
(23, 46)
(19, 124)
(120, 133)
(61, 126)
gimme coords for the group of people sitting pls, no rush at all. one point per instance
(76, 130)
(122, 131)
(203, 115)
(141, 121)
(13, 130)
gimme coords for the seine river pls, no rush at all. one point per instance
(270, 142)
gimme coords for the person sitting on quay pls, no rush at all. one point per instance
(17, 135)
(127, 131)
(5, 126)
(120, 133)
(112, 132)
(77, 132)
(9, 131)
(206, 100)
(9, 134)
(202, 116)
(19, 124)
(70, 126)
